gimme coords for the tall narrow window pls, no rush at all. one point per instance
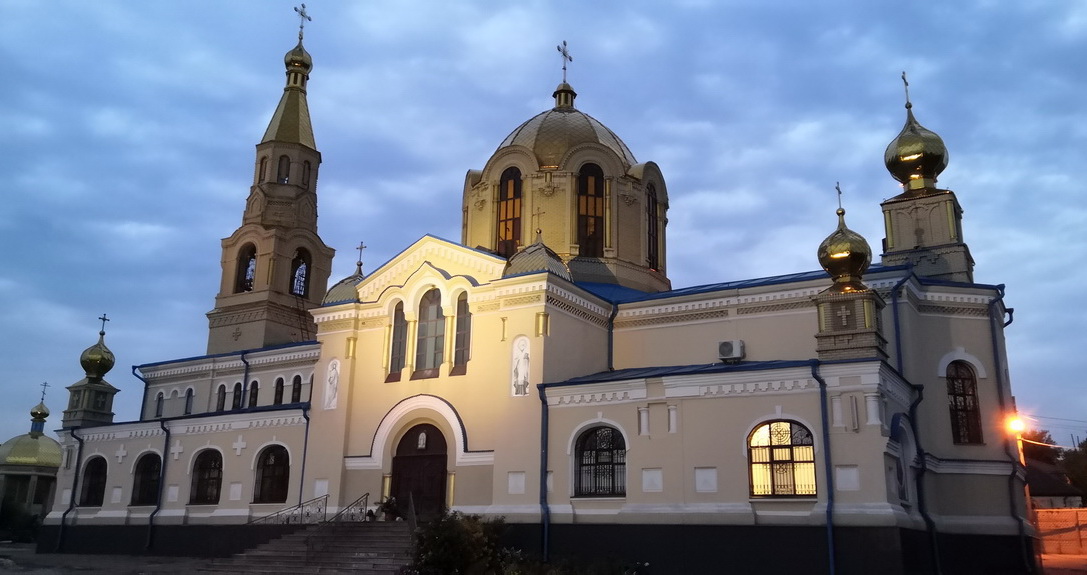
(277, 398)
(207, 478)
(145, 480)
(962, 397)
(236, 400)
(188, 400)
(300, 273)
(652, 229)
(600, 464)
(94, 483)
(273, 475)
(509, 212)
(463, 342)
(305, 173)
(590, 211)
(781, 456)
(159, 401)
(284, 172)
(220, 398)
(254, 392)
(430, 340)
(399, 343)
(296, 389)
(247, 269)
(262, 172)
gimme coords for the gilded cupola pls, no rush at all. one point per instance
(845, 255)
(97, 359)
(917, 155)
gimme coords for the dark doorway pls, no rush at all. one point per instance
(419, 471)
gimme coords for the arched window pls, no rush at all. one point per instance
(300, 273)
(284, 172)
(590, 211)
(159, 401)
(399, 343)
(277, 399)
(430, 339)
(145, 480)
(296, 389)
(247, 269)
(600, 463)
(508, 228)
(94, 483)
(305, 173)
(254, 392)
(220, 398)
(236, 401)
(652, 228)
(188, 401)
(781, 456)
(962, 397)
(463, 342)
(207, 478)
(262, 172)
(273, 475)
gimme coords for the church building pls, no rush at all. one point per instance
(543, 369)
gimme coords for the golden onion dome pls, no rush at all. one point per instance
(97, 359)
(298, 57)
(39, 412)
(845, 255)
(551, 134)
(917, 156)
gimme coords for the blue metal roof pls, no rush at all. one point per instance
(661, 371)
(227, 354)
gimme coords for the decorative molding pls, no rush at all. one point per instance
(480, 204)
(628, 199)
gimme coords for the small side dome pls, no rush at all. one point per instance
(536, 258)
(298, 57)
(39, 412)
(97, 359)
(34, 449)
(344, 290)
(916, 156)
(845, 255)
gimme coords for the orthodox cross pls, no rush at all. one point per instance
(104, 320)
(566, 57)
(45, 384)
(302, 18)
(536, 217)
(359, 249)
(906, 85)
(838, 186)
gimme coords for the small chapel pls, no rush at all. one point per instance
(848, 418)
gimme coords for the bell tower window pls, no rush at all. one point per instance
(652, 229)
(590, 211)
(262, 172)
(284, 172)
(509, 212)
(305, 173)
(247, 269)
(300, 273)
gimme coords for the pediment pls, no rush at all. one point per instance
(432, 260)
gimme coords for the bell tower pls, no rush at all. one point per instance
(275, 267)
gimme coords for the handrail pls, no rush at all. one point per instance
(353, 512)
(413, 520)
(311, 511)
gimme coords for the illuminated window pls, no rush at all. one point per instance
(220, 398)
(652, 227)
(430, 336)
(509, 212)
(962, 397)
(236, 398)
(145, 480)
(94, 483)
(254, 392)
(463, 337)
(273, 475)
(247, 269)
(159, 401)
(207, 478)
(284, 171)
(398, 345)
(277, 399)
(600, 463)
(781, 455)
(590, 211)
(300, 273)
(296, 389)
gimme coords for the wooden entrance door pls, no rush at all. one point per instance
(419, 470)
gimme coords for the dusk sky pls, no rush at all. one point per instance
(131, 129)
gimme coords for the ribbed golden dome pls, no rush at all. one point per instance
(552, 133)
(97, 359)
(344, 290)
(845, 255)
(917, 156)
(298, 57)
(535, 258)
(39, 412)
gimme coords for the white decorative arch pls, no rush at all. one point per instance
(391, 423)
(597, 422)
(960, 354)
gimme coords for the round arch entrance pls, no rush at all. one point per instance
(419, 470)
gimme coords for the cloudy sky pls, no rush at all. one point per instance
(130, 131)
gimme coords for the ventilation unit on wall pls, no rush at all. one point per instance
(731, 351)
